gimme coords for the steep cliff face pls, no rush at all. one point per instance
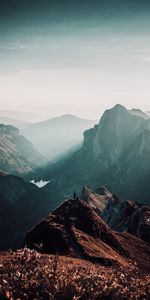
(21, 205)
(17, 154)
(128, 216)
(116, 129)
(115, 153)
(96, 201)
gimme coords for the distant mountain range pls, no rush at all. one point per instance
(54, 138)
(17, 155)
(22, 116)
(13, 122)
(104, 222)
(115, 153)
(57, 137)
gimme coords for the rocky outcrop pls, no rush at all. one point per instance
(17, 154)
(115, 153)
(74, 229)
(128, 216)
(96, 201)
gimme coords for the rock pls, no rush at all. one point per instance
(96, 201)
(128, 216)
(74, 229)
(115, 153)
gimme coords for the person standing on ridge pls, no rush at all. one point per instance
(74, 196)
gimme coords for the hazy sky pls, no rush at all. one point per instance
(61, 57)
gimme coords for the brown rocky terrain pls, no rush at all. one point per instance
(120, 215)
(27, 274)
(74, 229)
(128, 216)
(96, 201)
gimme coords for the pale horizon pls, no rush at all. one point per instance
(73, 57)
(45, 115)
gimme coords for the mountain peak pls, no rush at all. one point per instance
(118, 108)
(74, 229)
(117, 111)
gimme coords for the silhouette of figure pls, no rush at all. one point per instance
(74, 196)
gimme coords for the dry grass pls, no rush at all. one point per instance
(30, 275)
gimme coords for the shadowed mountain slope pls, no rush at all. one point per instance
(128, 216)
(120, 215)
(115, 153)
(21, 205)
(74, 229)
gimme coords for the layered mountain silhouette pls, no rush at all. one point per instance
(17, 155)
(14, 122)
(56, 137)
(21, 205)
(115, 153)
(21, 116)
(74, 229)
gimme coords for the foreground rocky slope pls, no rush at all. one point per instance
(21, 205)
(30, 275)
(17, 154)
(74, 229)
(115, 153)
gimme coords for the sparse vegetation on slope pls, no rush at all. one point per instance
(30, 275)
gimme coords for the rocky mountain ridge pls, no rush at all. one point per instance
(96, 201)
(128, 216)
(115, 153)
(17, 154)
(75, 230)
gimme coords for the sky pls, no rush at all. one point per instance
(78, 57)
